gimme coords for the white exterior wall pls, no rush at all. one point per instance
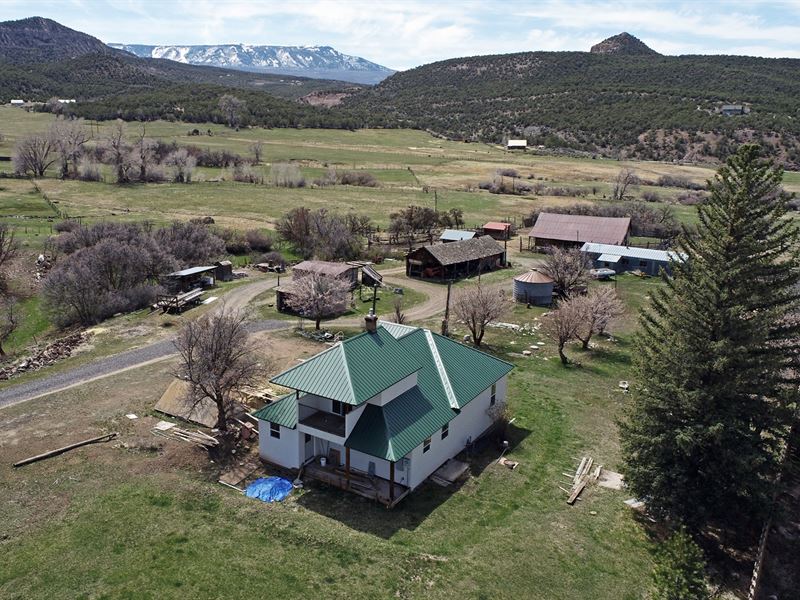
(360, 461)
(393, 391)
(285, 451)
(471, 422)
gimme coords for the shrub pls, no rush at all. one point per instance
(650, 196)
(274, 257)
(89, 170)
(691, 198)
(247, 174)
(286, 175)
(258, 240)
(360, 178)
(66, 225)
(509, 173)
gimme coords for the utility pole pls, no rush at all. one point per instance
(374, 297)
(435, 202)
(446, 320)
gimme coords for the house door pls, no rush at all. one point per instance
(308, 452)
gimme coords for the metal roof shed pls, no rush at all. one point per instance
(553, 229)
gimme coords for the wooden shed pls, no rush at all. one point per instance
(338, 270)
(497, 230)
(572, 231)
(456, 259)
(224, 270)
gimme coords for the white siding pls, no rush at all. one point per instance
(360, 461)
(470, 423)
(285, 451)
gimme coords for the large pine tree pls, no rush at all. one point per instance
(715, 356)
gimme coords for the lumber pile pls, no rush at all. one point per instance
(63, 449)
(44, 357)
(584, 474)
(172, 431)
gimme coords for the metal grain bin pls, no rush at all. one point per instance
(533, 287)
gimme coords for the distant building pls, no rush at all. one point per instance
(338, 270)
(627, 258)
(17, 102)
(517, 145)
(224, 270)
(66, 100)
(456, 259)
(192, 278)
(499, 231)
(456, 235)
(534, 287)
(732, 110)
(572, 231)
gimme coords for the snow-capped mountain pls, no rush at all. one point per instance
(308, 61)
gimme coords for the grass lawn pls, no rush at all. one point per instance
(146, 519)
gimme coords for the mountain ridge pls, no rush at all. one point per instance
(311, 61)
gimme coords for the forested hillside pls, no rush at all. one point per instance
(646, 105)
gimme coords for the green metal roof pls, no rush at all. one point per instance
(353, 371)
(452, 375)
(283, 411)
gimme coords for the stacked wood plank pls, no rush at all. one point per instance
(171, 431)
(583, 475)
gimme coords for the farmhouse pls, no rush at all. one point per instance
(378, 413)
(517, 145)
(456, 259)
(627, 258)
(572, 231)
(499, 231)
(732, 110)
(456, 235)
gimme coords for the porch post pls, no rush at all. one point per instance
(347, 464)
(391, 481)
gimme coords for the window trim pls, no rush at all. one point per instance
(275, 431)
(336, 404)
(426, 445)
(493, 396)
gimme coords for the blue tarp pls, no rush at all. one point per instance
(269, 489)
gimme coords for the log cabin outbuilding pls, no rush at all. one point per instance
(456, 259)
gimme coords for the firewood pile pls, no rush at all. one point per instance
(50, 354)
(585, 473)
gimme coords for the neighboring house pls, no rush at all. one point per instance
(572, 231)
(455, 260)
(338, 270)
(17, 102)
(517, 145)
(379, 412)
(627, 258)
(732, 110)
(499, 231)
(456, 235)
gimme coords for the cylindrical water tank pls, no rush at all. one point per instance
(533, 287)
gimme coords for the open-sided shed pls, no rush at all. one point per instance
(189, 279)
(456, 259)
(572, 231)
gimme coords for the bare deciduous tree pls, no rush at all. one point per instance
(9, 248)
(232, 108)
(143, 154)
(182, 164)
(119, 151)
(34, 154)
(599, 308)
(562, 325)
(286, 175)
(68, 138)
(625, 178)
(399, 315)
(315, 297)
(567, 268)
(257, 148)
(9, 320)
(218, 359)
(477, 307)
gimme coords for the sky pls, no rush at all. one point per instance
(404, 34)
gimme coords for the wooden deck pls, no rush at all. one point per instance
(374, 488)
(325, 421)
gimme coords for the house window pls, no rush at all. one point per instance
(337, 407)
(493, 397)
(426, 445)
(308, 437)
(642, 263)
(445, 430)
(275, 431)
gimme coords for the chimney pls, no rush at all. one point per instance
(371, 322)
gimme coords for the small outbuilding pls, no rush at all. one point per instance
(517, 145)
(628, 258)
(189, 279)
(497, 230)
(534, 287)
(370, 277)
(224, 270)
(456, 235)
(336, 270)
(572, 231)
(456, 259)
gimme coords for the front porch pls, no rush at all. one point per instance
(376, 488)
